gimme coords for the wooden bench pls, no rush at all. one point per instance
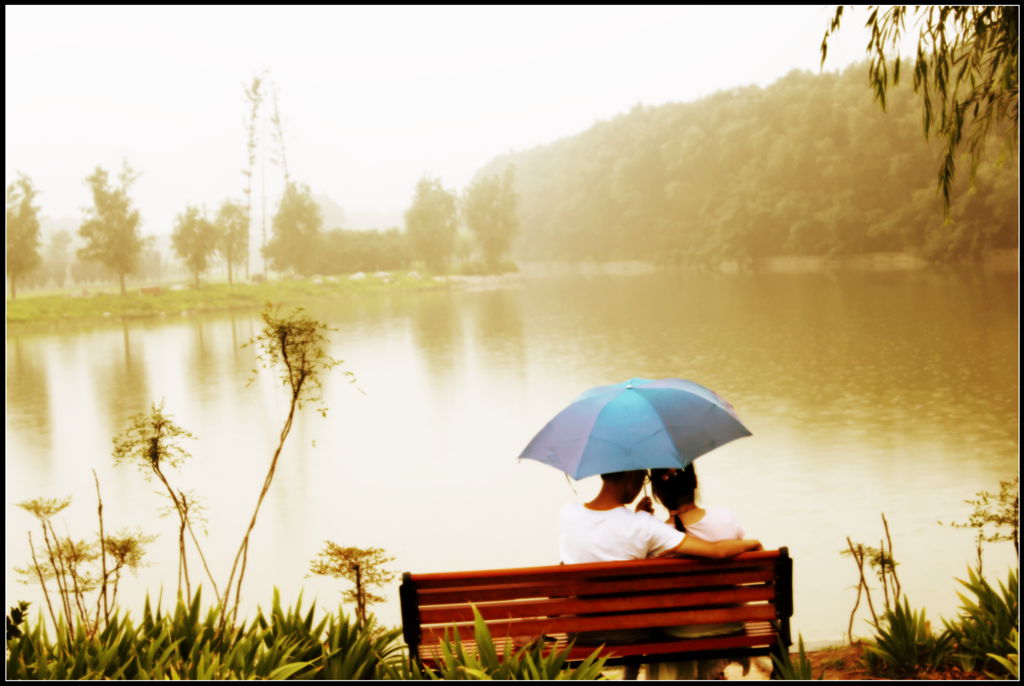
(554, 602)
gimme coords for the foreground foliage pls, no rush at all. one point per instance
(185, 644)
(285, 644)
(988, 621)
(787, 670)
(982, 639)
(484, 662)
(1011, 662)
(905, 645)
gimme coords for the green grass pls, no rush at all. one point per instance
(287, 643)
(53, 308)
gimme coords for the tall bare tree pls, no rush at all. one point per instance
(280, 156)
(254, 98)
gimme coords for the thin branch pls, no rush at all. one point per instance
(896, 578)
(103, 550)
(42, 582)
(58, 573)
(858, 555)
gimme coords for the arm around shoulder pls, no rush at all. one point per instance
(718, 550)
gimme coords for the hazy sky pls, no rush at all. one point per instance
(371, 97)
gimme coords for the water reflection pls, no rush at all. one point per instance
(438, 335)
(202, 367)
(866, 393)
(121, 377)
(28, 399)
(497, 318)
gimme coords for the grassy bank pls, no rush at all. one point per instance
(82, 306)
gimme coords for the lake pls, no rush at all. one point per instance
(866, 392)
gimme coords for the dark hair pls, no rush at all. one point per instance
(674, 487)
(619, 477)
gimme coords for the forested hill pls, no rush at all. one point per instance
(810, 165)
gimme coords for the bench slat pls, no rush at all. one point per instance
(592, 570)
(569, 586)
(755, 634)
(575, 623)
(565, 606)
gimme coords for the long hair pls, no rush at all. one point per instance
(675, 488)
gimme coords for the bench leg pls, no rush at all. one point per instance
(781, 653)
(632, 671)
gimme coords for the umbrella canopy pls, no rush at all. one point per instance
(636, 424)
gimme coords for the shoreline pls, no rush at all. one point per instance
(76, 307)
(80, 306)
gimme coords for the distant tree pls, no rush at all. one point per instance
(57, 256)
(22, 231)
(346, 251)
(111, 230)
(194, 240)
(490, 211)
(298, 234)
(232, 228)
(254, 97)
(432, 222)
(967, 67)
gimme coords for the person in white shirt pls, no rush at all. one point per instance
(604, 529)
(676, 489)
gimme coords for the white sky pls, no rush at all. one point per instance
(371, 97)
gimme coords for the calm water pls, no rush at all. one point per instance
(866, 393)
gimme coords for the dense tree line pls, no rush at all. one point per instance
(808, 166)
(966, 72)
(346, 251)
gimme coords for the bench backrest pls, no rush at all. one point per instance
(532, 601)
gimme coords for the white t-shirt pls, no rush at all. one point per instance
(717, 524)
(606, 535)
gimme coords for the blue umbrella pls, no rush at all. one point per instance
(636, 424)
